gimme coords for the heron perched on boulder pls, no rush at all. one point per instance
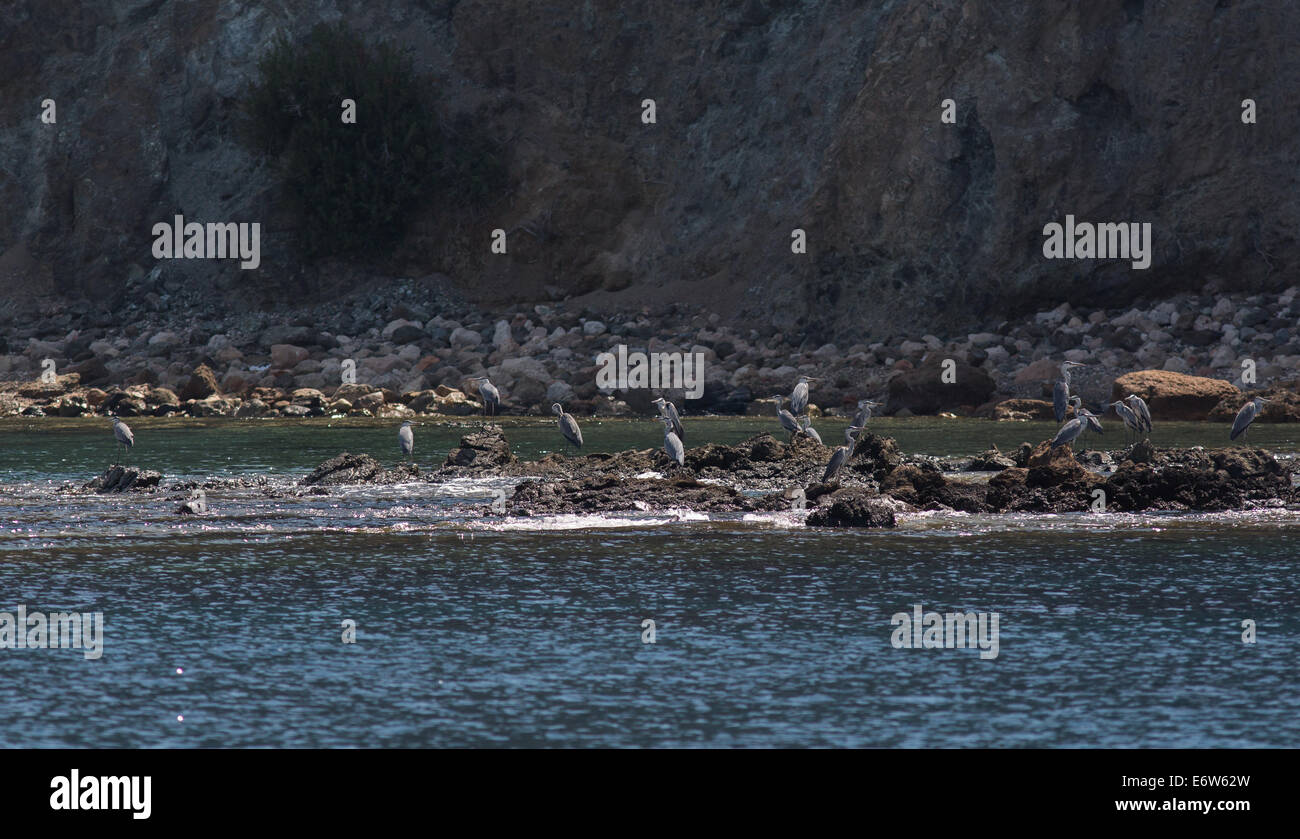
(787, 419)
(864, 412)
(1131, 420)
(1246, 416)
(842, 454)
(673, 443)
(568, 425)
(669, 410)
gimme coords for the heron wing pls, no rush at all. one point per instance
(571, 431)
(1244, 418)
(1068, 432)
(837, 460)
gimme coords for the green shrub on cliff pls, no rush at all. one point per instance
(354, 185)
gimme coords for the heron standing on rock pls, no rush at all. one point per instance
(489, 394)
(122, 432)
(786, 418)
(842, 454)
(864, 412)
(406, 438)
(805, 425)
(1140, 410)
(568, 425)
(1124, 412)
(1069, 432)
(673, 443)
(799, 396)
(669, 410)
(1245, 417)
(1061, 393)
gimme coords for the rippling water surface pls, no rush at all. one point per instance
(1117, 630)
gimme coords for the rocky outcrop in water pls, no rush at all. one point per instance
(484, 449)
(348, 468)
(124, 479)
(606, 494)
(852, 508)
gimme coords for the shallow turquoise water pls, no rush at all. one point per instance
(1114, 630)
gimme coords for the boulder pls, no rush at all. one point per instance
(852, 507)
(201, 384)
(123, 479)
(483, 449)
(924, 391)
(287, 356)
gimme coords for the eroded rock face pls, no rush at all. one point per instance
(880, 192)
(1176, 396)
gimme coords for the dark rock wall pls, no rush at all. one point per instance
(772, 115)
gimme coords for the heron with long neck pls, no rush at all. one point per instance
(1246, 416)
(1061, 393)
(568, 425)
(842, 454)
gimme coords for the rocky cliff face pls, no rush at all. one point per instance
(771, 115)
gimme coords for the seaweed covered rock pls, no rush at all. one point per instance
(124, 479)
(1196, 479)
(348, 468)
(609, 493)
(852, 507)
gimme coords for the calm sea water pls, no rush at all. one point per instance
(1114, 630)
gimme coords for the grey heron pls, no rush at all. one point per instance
(864, 412)
(1061, 393)
(673, 443)
(842, 454)
(122, 432)
(1124, 412)
(568, 425)
(669, 410)
(1069, 432)
(786, 418)
(805, 425)
(1246, 416)
(489, 394)
(406, 438)
(1140, 410)
(799, 396)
